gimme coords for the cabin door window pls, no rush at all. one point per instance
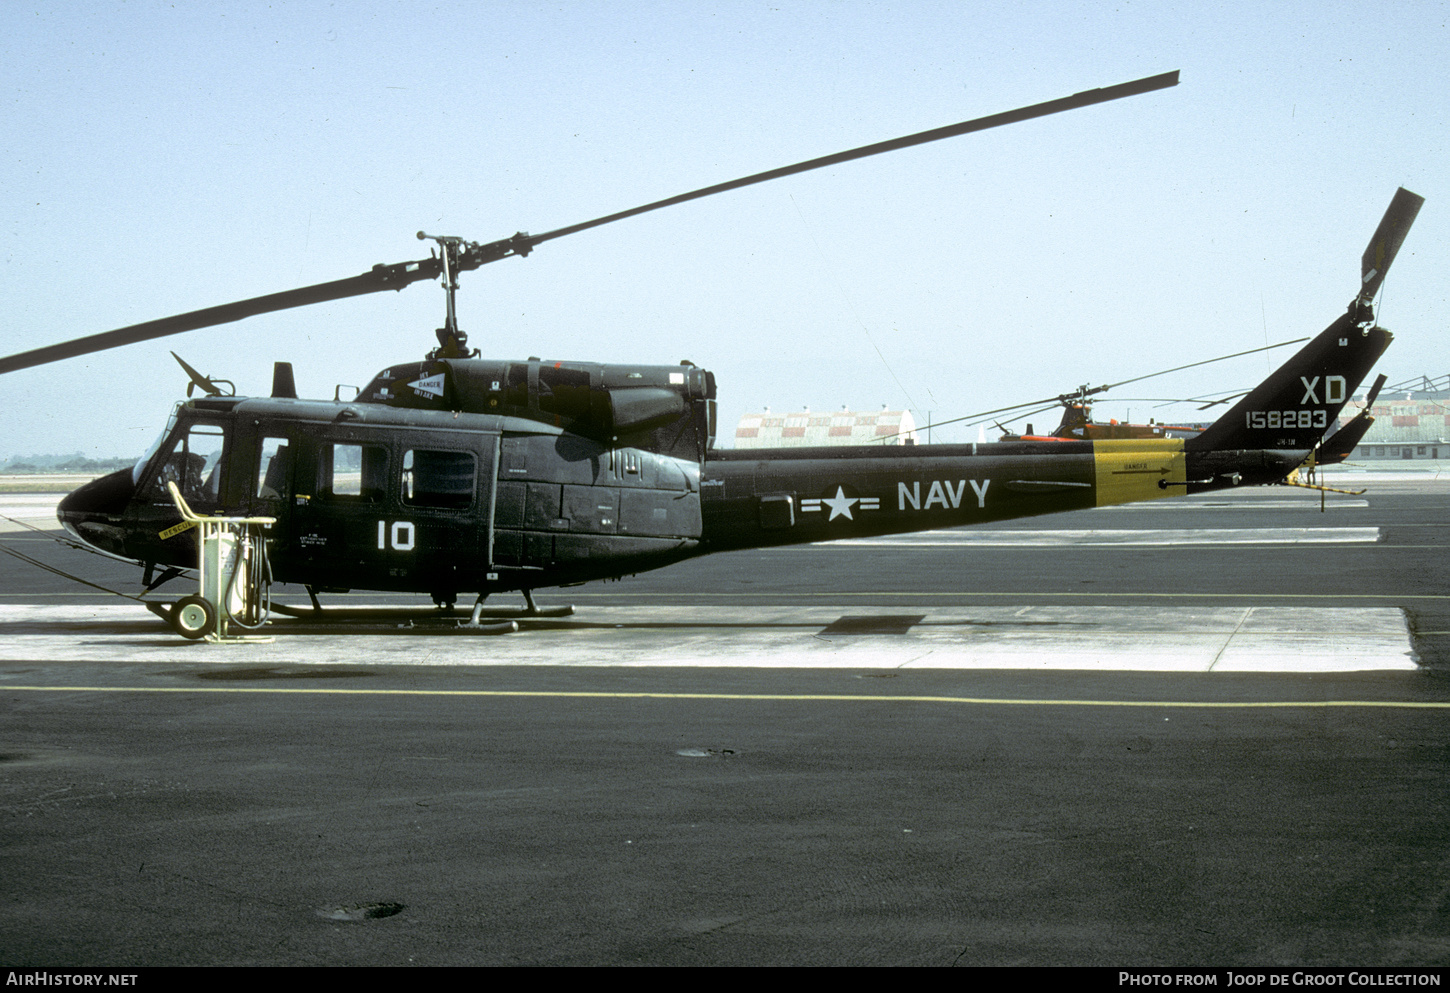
(443, 480)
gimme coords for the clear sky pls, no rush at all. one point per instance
(162, 157)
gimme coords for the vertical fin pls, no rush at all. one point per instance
(1301, 400)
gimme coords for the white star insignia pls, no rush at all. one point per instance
(840, 505)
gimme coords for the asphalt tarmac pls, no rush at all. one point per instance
(1206, 732)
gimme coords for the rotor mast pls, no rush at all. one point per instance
(452, 341)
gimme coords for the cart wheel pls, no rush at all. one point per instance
(193, 617)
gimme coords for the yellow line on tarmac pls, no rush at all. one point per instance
(772, 697)
(1085, 594)
(900, 594)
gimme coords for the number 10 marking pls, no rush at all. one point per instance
(400, 538)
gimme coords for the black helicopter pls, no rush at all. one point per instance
(461, 475)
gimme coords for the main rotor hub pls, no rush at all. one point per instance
(452, 342)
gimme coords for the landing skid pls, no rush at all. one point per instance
(442, 621)
(530, 609)
(505, 618)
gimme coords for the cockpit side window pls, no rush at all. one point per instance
(194, 463)
(145, 460)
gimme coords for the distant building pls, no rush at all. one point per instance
(1411, 421)
(806, 428)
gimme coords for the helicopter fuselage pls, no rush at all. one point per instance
(593, 472)
(368, 496)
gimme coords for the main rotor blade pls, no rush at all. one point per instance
(1221, 358)
(1084, 99)
(1222, 400)
(1064, 398)
(1385, 244)
(471, 255)
(393, 277)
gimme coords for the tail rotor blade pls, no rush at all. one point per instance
(1374, 392)
(1385, 244)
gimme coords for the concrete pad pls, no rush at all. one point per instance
(34, 509)
(1229, 639)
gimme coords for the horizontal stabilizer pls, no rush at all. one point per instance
(1338, 446)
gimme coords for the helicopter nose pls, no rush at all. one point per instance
(94, 512)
